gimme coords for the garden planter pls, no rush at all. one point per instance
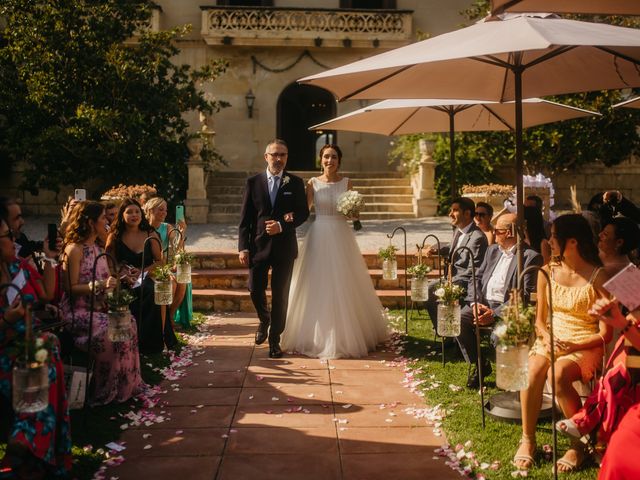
(512, 367)
(30, 387)
(119, 329)
(448, 319)
(389, 269)
(162, 293)
(183, 273)
(419, 289)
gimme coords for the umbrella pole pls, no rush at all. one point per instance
(517, 72)
(452, 152)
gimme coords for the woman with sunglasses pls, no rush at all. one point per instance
(482, 218)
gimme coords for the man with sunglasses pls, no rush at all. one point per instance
(273, 206)
(495, 279)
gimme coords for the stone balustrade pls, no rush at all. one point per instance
(319, 27)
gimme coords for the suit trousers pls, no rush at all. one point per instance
(467, 338)
(281, 272)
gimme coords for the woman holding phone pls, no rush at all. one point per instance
(181, 309)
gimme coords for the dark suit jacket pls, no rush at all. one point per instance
(460, 263)
(256, 209)
(491, 259)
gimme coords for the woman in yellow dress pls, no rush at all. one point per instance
(576, 283)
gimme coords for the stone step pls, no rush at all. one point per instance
(386, 215)
(405, 208)
(238, 300)
(235, 198)
(385, 190)
(312, 173)
(215, 217)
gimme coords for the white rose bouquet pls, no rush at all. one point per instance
(350, 204)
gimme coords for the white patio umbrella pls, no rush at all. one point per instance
(403, 116)
(604, 7)
(630, 103)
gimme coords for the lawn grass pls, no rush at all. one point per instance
(499, 440)
(92, 428)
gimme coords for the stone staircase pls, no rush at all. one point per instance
(388, 195)
(220, 282)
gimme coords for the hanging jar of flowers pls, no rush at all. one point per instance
(419, 282)
(30, 376)
(162, 291)
(449, 295)
(183, 261)
(119, 315)
(389, 262)
(514, 334)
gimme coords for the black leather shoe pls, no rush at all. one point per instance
(473, 381)
(262, 333)
(275, 351)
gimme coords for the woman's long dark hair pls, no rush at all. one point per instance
(628, 231)
(535, 227)
(118, 226)
(577, 227)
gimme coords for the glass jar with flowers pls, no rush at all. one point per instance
(119, 315)
(514, 333)
(183, 262)
(449, 295)
(30, 382)
(419, 282)
(162, 291)
(389, 262)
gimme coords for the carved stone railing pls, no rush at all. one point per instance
(319, 27)
(152, 25)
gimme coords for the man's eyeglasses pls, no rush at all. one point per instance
(501, 231)
(278, 154)
(9, 235)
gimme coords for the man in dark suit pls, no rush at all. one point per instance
(466, 234)
(274, 204)
(496, 278)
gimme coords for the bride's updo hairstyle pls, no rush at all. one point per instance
(336, 148)
(577, 227)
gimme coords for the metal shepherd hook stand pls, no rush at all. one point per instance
(552, 354)
(475, 315)
(144, 249)
(390, 236)
(170, 234)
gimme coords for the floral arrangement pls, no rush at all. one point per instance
(161, 273)
(182, 257)
(516, 325)
(419, 270)
(119, 299)
(489, 189)
(285, 179)
(37, 353)
(125, 191)
(350, 204)
(448, 292)
(387, 253)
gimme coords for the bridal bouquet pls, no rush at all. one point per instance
(350, 204)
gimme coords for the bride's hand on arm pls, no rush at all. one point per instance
(309, 192)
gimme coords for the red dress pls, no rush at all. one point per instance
(620, 462)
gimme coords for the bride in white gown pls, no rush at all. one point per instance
(334, 311)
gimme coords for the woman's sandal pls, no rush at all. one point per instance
(571, 465)
(568, 427)
(528, 459)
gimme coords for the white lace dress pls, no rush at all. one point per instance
(334, 311)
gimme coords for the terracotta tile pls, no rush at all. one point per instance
(168, 442)
(284, 376)
(385, 466)
(182, 417)
(261, 358)
(366, 377)
(284, 416)
(374, 416)
(374, 394)
(278, 467)
(202, 396)
(286, 395)
(193, 468)
(282, 440)
(211, 380)
(387, 440)
(362, 363)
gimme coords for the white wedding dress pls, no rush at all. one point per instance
(334, 311)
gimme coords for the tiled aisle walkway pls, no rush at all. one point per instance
(239, 415)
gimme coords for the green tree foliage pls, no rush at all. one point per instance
(549, 149)
(89, 97)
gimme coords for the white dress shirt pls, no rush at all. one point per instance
(464, 232)
(497, 284)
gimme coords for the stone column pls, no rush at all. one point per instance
(196, 203)
(424, 194)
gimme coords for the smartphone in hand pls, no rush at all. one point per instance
(179, 213)
(52, 235)
(80, 194)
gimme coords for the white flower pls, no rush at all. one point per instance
(500, 330)
(440, 292)
(41, 355)
(285, 180)
(39, 342)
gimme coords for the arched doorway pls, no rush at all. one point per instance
(299, 107)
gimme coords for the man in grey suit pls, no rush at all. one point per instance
(466, 234)
(495, 279)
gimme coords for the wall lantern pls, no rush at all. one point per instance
(250, 99)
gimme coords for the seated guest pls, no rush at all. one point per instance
(466, 234)
(576, 283)
(39, 445)
(181, 310)
(110, 212)
(126, 242)
(482, 217)
(12, 213)
(534, 234)
(536, 202)
(116, 371)
(497, 276)
(616, 242)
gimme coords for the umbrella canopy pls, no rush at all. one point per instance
(631, 103)
(397, 117)
(604, 7)
(404, 116)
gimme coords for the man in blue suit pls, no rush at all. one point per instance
(496, 278)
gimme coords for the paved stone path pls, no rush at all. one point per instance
(237, 414)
